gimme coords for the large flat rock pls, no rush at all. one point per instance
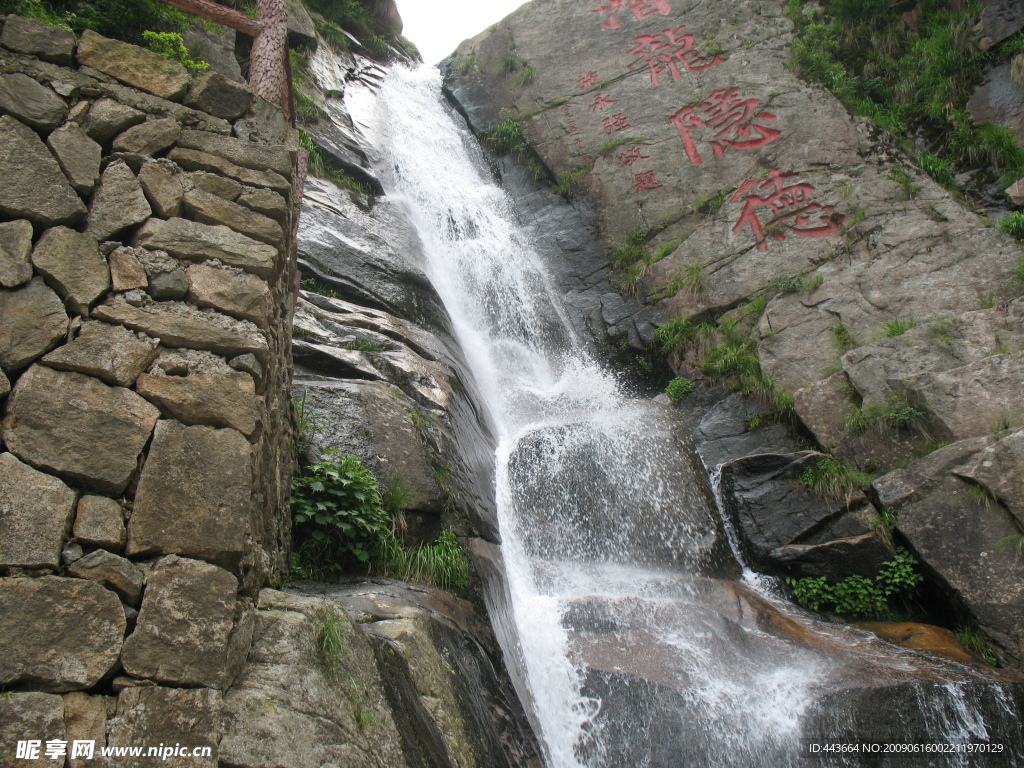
(184, 634)
(74, 265)
(58, 634)
(34, 186)
(111, 353)
(78, 428)
(32, 322)
(195, 495)
(179, 325)
(36, 515)
(133, 65)
(168, 716)
(198, 242)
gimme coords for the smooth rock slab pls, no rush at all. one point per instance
(133, 65)
(215, 94)
(212, 400)
(184, 630)
(34, 186)
(957, 534)
(149, 137)
(119, 202)
(99, 522)
(36, 38)
(15, 247)
(199, 242)
(32, 321)
(233, 292)
(35, 513)
(25, 716)
(111, 353)
(78, 155)
(78, 428)
(58, 634)
(179, 325)
(74, 265)
(195, 495)
(169, 716)
(999, 468)
(31, 103)
(112, 572)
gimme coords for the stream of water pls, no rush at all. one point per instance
(635, 648)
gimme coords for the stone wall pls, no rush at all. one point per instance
(146, 272)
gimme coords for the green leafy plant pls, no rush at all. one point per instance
(860, 596)
(678, 389)
(126, 20)
(711, 203)
(940, 169)
(338, 512)
(171, 46)
(1013, 543)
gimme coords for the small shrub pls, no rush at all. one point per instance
(859, 596)
(710, 204)
(338, 512)
(831, 478)
(673, 334)
(507, 136)
(631, 251)
(1013, 224)
(977, 642)
(359, 345)
(939, 169)
(678, 389)
(1013, 543)
(843, 339)
(860, 419)
(171, 46)
(896, 327)
(441, 564)
(903, 417)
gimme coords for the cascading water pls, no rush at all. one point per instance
(630, 653)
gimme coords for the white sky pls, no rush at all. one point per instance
(438, 26)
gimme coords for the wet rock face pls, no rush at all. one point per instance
(891, 314)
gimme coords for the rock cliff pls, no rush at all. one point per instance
(795, 252)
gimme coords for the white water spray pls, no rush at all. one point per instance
(630, 656)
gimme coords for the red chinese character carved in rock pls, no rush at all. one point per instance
(732, 118)
(632, 155)
(667, 51)
(617, 122)
(790, 208)
(588, 80)
(602, 102)
(640, 8)
(646, 181)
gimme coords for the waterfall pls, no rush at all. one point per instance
(636, 647)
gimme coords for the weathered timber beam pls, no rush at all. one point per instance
(222, 15)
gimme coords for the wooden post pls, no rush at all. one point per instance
(268, 61)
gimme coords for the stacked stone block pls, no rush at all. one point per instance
(146, 271)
